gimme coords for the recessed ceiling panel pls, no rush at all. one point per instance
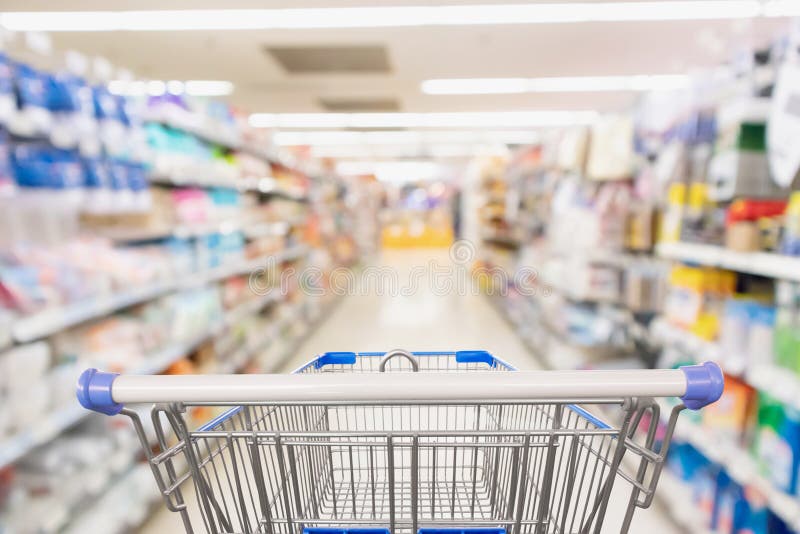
(354, 105)
(322, 59)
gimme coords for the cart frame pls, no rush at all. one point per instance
(432, 440)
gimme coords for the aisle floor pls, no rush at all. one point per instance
(426, 319)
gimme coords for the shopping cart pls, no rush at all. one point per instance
(427, 442)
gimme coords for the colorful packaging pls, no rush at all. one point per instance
(787, 325)
(777, 443)
(733, 413)
(791, 226)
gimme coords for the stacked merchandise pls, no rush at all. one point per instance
(731, 294)
(147, 236)
(583, 231)
(419, 215)
(672, 234)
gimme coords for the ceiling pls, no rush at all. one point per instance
(413, 54)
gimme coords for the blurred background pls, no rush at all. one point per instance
(234, 187)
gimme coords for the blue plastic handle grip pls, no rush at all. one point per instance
(704, 385)
(476, 356)
(94, 392)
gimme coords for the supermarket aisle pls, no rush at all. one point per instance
(424, 320)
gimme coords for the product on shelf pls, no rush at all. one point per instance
(776, 443)
(611, 155)
(754, 225)
(50, 486)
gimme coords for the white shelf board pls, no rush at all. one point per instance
(766, 264)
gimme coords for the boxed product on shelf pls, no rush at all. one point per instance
(740, 167)
(572, 150)
(180, 156)
(746, 334)
(790, 242)
(787, 326)
(640, 227)
(25, 393)
(644, 287)
(776, 444)
(724, 506)
(695, 296)
(732, 417)
(754, 225)
(52, 485)
(35, 277)
(611, 155)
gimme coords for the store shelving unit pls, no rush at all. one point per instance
(232, 364)
(767, 264)
(781, 384)
(16, 446)
(740, 465)
(676, 497)
(265, 185)
(279, 207)
(116, 491)
(52, 320)
(655, 335)
(196, 126)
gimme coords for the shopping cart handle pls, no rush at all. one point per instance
(704, 385)
(697, 386)
(95, 392)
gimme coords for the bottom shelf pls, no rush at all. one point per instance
(129, 500)
(672, 492)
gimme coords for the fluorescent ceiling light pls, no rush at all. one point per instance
(388, 16)
(478, 86)
(471, 119)
(176, 87)
(782, 8)
(361, 152)
(411, 137)
(208, 87)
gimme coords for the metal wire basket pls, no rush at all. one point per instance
(373, 443)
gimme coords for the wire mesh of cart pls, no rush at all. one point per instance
(400, 442)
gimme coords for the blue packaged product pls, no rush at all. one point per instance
(123, 115)
(32, 86)
(32, 90)
(105, 103)
(730, 507)
(118, 174)
(65, 93)
(42, 166)
(8, 101)
(6, 75)
(136, 176)
(97, 176)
